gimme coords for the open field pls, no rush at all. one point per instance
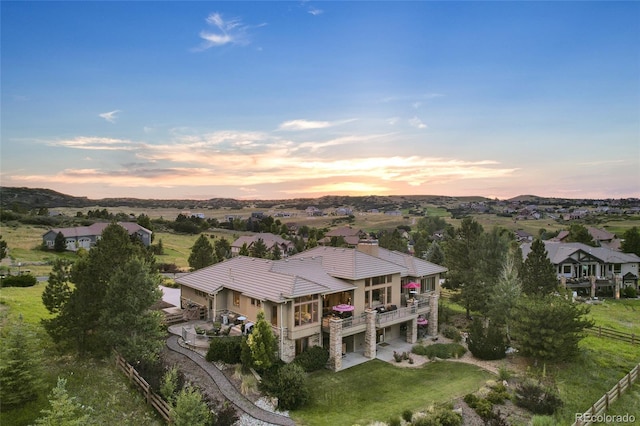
(95, 383)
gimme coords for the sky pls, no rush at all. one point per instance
(279, 100)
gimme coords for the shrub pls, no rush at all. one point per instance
(483, 408)
(498, 395)
(441, 417)
(450, 332)
(630, 292)
(440, 350)
(504, 373)
(397, 356)
(407, 415)
(287, 383)
(537, 398)
(486, 344)
(313, 358)
(470, 399)
(25, 280)
(395, 421)
(225, 349)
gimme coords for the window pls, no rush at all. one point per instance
(305, 310)
(566, 269)
(256, 302)
(617, 268)
(236, 298)
(201, 293)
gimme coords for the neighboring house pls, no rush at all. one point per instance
(87, 236)
(270, 240)
(297, 296)
(523, 236)
(579, 265)
(600, 236)
(351, 236)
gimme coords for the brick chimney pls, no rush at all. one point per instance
(369, 247)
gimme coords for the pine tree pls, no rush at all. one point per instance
(127, 323)
(258, 249)
(631, 241)
(60, 242)
(538, 273)
(19, 366)
(222, 248)
(263, 344)
(244, 250)
(190, 409)
(3, 248)
(65, 410)
(276, 252)
(57, 292)
(580, 234)
(505, 294)
(202, 253)
(549, 327)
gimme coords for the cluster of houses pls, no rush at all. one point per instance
(384, 294)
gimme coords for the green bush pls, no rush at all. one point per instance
(313, 358)
(440, 350)
(441, 417)
(450, 332)
(395, 421)
(537, 398)
(470, 399)
(226, 349)
(629, 292)
(407, 415)
(498, 395)
(484, 408)
(25, 280)
(287, 383)
(486, 344)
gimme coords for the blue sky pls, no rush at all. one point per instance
(302, 99)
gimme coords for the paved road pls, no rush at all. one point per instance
(227, 388)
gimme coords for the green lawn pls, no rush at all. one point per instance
(378, 390)
(622, 315)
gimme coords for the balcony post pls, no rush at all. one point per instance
(335, 343)
(618, 281)
(592, 279)
(432, 328)
(370, 334)
(412, 331)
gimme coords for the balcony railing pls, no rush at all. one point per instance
(421, 306)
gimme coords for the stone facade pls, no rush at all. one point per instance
(370, 334)
(335, 343)
(432, 328)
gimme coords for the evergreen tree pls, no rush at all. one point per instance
(202, 254)
(538, 273)
(170, 385)
(631, 241)
(505, 294)
(392, 241)
(263, 344)
(580, 234)
(420, 244)
(65, 410)
(3, 248)
(57, 291)
(289, 384)
(222, 248)
(486, 343)
(244, 250)
(60, 242)
(258, 249)
(276, 252)
(79, 321)
(190, 409)
(311, 243)
(19, 366)
(435, 254)
(549, 327)
(462, 255)
(131, 327)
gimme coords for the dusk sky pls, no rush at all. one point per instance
(274, 100)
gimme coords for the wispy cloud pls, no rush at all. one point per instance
(315, 11)
(110, 116)
(224, 31)
(95, 143)
(310, 124)
(417, 123)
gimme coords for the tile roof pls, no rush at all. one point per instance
(416, 267)
(559, 252)
(97, 229)
(267, 238)
(351, 264)
(264, 279)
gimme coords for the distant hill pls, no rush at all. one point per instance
(34, 198)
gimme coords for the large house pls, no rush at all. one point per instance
(299, 295)
(350, 235)
(581, 266)
(87, 236)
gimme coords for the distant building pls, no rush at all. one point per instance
(87, 236)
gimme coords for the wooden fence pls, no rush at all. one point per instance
(153, 399)
(602, 405)
(615, 334)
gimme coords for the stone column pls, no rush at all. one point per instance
(618, 280)
(412, 331)
(593, 286)
(370, 334)
(432, 328)
(563, 281)
(335, 343)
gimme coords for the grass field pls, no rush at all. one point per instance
(378, 390)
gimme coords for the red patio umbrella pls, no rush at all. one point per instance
(412, 285)
(344, 308)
